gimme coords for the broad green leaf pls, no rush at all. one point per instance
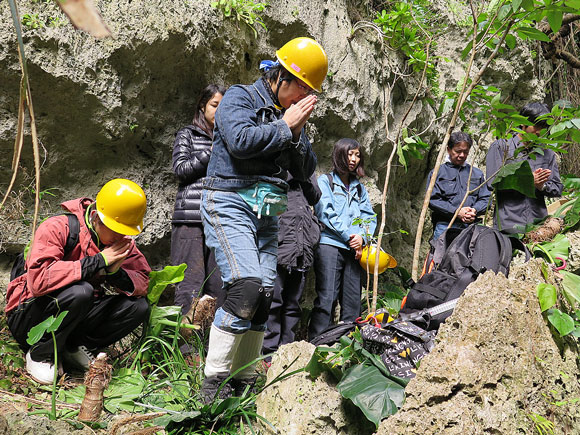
(466, 50)
(126, 386)
(573, 3)
(159, 280)
(36, 332)
(554, 17)
(504, 11)
(532, 33)
(558, 247)
(563, 323)
(516, 5)
(376, 396)
(510, 41)
(528, 5)
(516, 176)
(571, 183)
(572, 216)
(160, 314)
(56, 323)
(547, 295)
(317, 363)
(571, 285)
(401, 155)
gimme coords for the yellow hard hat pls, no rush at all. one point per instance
(121, 205)
(306, 59)
(368, 256)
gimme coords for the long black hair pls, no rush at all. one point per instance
(340, 157)
(207, 94)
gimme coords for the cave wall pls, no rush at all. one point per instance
(110, 108)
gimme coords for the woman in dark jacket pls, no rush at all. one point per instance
(191, 152)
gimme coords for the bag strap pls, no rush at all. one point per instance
(429, 289)
(74, 229)
(520, 246)
(331, 182)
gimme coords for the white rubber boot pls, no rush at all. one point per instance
(248, 350)
(221, 350)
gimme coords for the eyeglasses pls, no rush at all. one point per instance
(306, 90)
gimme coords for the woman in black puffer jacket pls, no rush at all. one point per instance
(191, 152)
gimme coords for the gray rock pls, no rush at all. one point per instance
(495, 366)
(300, 405)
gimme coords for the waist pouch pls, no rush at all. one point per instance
(265, 198)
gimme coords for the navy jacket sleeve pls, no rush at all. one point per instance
(439, 201)
(311, 190)
(553, 187)
(483, 195)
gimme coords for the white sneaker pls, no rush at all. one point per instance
(80, 357)
(41, 372)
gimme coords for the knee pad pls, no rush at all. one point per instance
(261, 315)
(244, 297)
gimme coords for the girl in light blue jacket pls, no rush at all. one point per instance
(344, 201)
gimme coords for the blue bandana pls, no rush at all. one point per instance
(267, 65)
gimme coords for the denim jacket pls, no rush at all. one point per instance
(339, 207)
(252, 143)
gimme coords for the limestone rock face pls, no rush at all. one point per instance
(300, 405)
(110, 108)
(494, 367)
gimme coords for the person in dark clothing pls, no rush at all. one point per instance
(451, 186)
(298, 234)
(56, 280)
(514, 210)
(191, 153)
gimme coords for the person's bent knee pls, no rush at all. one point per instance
(244, 297)
(142, 309)
(81, 296)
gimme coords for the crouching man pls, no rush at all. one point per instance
(59, 277)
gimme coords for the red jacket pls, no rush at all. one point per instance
(48, 270)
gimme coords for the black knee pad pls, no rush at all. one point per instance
(261, 315)
(244, 297)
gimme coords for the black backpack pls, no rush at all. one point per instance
(458, 257)
(19, 265)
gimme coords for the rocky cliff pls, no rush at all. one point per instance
(109, 108)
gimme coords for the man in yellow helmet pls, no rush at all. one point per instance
(71, 257)
(258, 140)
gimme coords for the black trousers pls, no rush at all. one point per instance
(202, 274)
(93, 322)
(285, 309)
(338, 278)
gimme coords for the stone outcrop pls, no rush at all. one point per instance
(494, 369)
(109, 108)
(301, 405)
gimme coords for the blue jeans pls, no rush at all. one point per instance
(441, 227)
(338, 278)
(244, 246)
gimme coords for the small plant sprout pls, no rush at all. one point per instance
(50, 325)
